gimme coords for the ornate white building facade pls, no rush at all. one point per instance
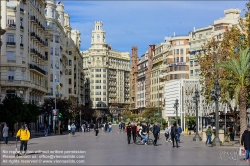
(24, 50)
(65, 57)
(107, 75)
(38, 47)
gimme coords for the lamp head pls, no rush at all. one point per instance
(197, 93)
(217, 88)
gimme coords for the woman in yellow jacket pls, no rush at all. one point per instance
(24, 135)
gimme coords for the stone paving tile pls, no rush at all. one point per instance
(112, 149)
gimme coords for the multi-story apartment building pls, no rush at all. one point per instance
(201, 36)
(177, 60)
(133, 79)
(141, 82)
(151, 52)
(196, 39)
(24, 52)
(65, 57)
(107, 73)
(161, 50)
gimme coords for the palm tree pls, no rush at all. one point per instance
(239, 67)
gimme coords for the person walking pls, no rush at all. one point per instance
(134, 132)
(179, 133)
(169, 130)
(110, 127)
(209, 135)
(96, 128)
(24, 135)
(46, 130)
(106, 127)
(69, 128)
(5, 133)
(129, 130)
(156, 131)
(245, 141)
(227, 137)
(73, 129)
(174, 134)
(84, 127)
(166, 133)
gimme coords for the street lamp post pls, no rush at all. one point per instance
(215, 93)
(176, 104)
(196, 100)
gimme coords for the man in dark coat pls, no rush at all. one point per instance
(134, 132)
(156, 130)
(174, 134)
(129, 130)
(245, 140)
(106, 126)
(96, 128)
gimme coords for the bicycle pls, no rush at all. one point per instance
(139, 141)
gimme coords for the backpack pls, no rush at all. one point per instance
(179, 130)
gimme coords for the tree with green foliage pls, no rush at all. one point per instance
(63, 105)
(15, 110)
(214, 52)
(149, 112)
(126, 114)
(240, 69)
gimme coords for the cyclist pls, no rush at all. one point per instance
(143, 133)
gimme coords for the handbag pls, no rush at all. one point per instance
(242, 151)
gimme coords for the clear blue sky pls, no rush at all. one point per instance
(140, 23)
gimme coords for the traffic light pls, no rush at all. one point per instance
(60, 115)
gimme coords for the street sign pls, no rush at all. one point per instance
(54, 112)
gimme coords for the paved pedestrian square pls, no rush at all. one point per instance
(113, 149)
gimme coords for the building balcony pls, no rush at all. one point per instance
(32, 18)
(38, 87)
(11, 61)
(32, 34)
(9, 26)
(11, 8)
(112, 85)
(11, 43)
(36, 68)
(15, 83)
